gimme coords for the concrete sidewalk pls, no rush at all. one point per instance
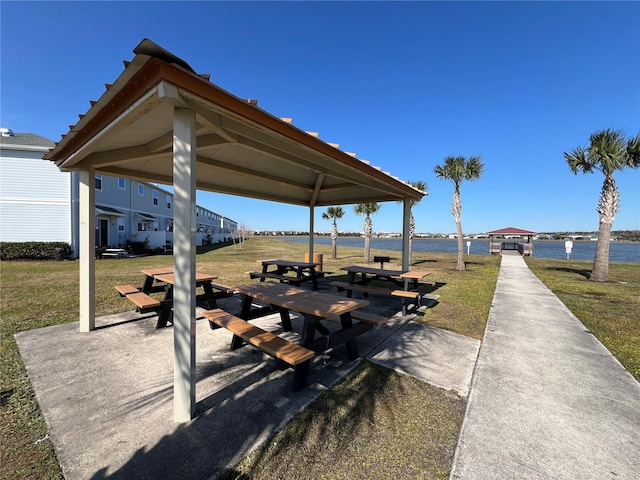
(108, 394)
(547, 400)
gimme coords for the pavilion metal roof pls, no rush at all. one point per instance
(511, 231)
(241, 149)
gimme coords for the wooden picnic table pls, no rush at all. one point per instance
(359, 277)
(314, 307)
(364, 275)
(303, 271)
(162, 280)
(403, 278)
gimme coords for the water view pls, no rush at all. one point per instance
(618, 251)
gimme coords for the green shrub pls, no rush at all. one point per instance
(35, 251)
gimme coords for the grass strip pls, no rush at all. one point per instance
(376, 423)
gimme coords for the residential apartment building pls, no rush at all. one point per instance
(38, 202)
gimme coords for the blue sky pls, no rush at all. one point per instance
(402, 85)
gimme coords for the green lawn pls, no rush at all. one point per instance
(610, 310)
(410, 416)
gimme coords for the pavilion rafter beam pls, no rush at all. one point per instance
(254, 173)
(243, 193)
(212, 140)
(153, 149)
(344, 200)
(338, 186)
(136, 175)
(316, 190)
(161, 144)
(164, 143)
(206, 116)
(121, 155)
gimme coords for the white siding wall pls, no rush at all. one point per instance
(39, 203)
(35, 198)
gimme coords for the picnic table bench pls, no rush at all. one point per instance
(276, 276)
(144, 303)
(314, 307)
(286, 354)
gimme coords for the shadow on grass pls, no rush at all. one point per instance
(431, 287)
(326, 425)
(420, 262)
(209, 248)
(586, 273)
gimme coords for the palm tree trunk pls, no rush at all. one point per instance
(600, 272)
(367, 249)
(456, 208)
(607, 208)
(334, 241)
(412, 232)
(368, 229)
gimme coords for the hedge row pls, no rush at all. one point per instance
(35, 251)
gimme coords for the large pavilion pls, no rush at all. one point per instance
(162, 122)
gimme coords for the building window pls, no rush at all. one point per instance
(98, 181)
(122, 184)
(141, 189)
(155, 198)
(169, 200)
(120, 223)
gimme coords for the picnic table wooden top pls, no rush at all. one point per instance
(169, 277)
(415, 274)
(152, 272)
(324, 305)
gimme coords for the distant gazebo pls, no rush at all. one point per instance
(511, 233)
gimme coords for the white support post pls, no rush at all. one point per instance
(406, 218)
(184, 264)
(311, 227)
(87, 197)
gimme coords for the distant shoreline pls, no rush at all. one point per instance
(619, 251)
(443, 239)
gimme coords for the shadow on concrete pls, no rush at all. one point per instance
(235, 423)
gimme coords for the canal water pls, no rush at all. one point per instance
(583, 250)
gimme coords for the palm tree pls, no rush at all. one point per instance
(420, 185)
(333, 213)
(607, 152)
(458, 169)
(367, 209)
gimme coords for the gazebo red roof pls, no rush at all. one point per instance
(511, 231)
